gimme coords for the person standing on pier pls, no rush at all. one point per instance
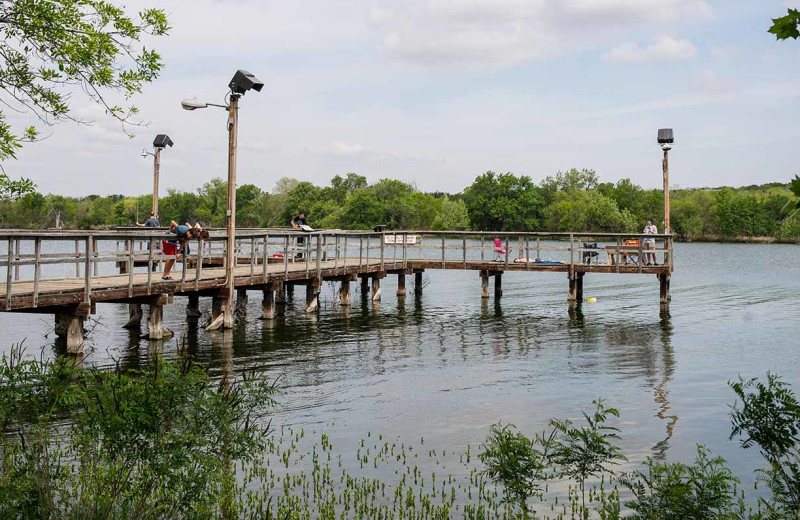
(650, 243)
(151, 222)
(297, 223)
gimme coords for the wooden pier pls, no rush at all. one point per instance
(67, 273)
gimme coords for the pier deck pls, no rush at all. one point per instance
(68, 273)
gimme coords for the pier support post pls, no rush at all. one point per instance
(288, 291)
(418, 283)
(280, 293)
(193, 307)
(70, 328)
(344, 293)
(312, 296)
(663, 282)
(268, 304)
(498, 285)
(364, 286)
(401, 284)
(484, 284)
(217, 313)
(134, 316)
(376, 287)
(575, 287)
(155, 323)
(241, 301)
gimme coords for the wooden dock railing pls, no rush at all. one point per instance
(35, 262)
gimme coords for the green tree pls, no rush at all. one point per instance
(453, 215)
(50, 49)
(343, 187)
(589, 211)
(212, 202)
(504, 202)
(363, 210)
(568, 181)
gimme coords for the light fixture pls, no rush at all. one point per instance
(162, 141)
(192, 104)
(243, 81)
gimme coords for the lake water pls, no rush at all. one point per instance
(449, 365)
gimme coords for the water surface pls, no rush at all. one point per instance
(449, 365)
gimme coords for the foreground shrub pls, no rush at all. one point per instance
(154, 443)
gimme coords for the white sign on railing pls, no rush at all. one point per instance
(398, 239)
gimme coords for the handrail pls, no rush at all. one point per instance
(31, 256)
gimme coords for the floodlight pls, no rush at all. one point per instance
(162, 141)
(243, 81)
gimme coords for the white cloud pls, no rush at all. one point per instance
(498, 33)
(663, 49)
(348, 148)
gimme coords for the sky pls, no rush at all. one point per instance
(436, 92)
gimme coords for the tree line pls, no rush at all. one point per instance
(572, 200)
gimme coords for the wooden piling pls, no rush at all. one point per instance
(217, 312)
(69, 327)
(312, 297)
(376, 287)
(401, 284)
(193, 307)
(364, 285)
(268, 311)
(155, 323)
(498, 285)
(484, 284)
(418, 283)
(344, 293)
(134, 316)
(241, 301)
(664, 282)
(575, 287)
(280, 293)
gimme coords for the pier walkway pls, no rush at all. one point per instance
(66, 273)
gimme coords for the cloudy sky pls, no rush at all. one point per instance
(439, 91)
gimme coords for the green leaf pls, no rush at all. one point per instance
(786, 26)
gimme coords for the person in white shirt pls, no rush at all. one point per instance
(650, 243)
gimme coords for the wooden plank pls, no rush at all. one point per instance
(9, 271)
(88, 271)
(37, 271)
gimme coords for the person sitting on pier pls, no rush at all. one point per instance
(650, 243)
(173, 248)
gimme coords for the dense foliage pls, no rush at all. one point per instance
(51, 50)
(168, 441)
(574, 200)
(153, 443)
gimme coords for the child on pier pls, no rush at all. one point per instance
(173, 248)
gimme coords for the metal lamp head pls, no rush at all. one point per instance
(243, 81)
(665, 136)
(162, 141)
(192, 104)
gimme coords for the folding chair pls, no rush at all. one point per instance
(588, 255)
(499, 252)
(632, 256)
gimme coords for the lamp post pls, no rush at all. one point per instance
(666, 139)
(242, 82)
(159, 143)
